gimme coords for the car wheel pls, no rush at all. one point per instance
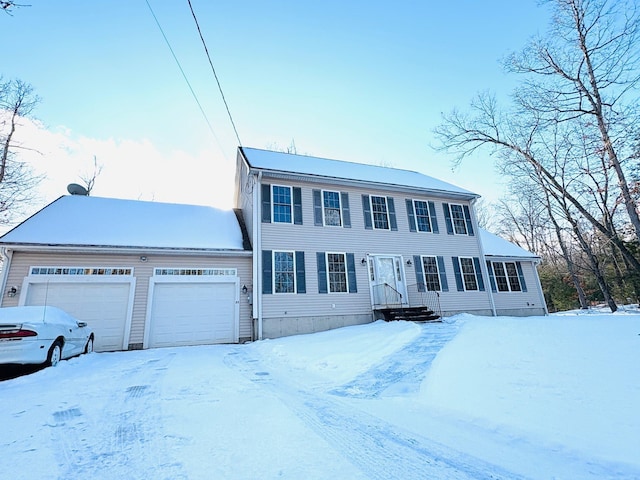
(88, 348)
(55, 354)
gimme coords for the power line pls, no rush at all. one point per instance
(193, 93)
(195, 19)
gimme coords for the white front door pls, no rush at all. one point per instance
(387, 283)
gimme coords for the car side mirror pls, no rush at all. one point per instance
(82, 324)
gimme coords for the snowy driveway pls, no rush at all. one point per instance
(298, 408)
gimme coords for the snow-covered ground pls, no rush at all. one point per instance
(554, 397)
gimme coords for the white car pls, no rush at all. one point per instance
(34, 335)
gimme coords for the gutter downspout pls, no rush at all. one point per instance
(483, 263)
(257, 251)
(539, 286)
(7, 255)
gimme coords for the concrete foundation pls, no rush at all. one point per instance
(286, 326)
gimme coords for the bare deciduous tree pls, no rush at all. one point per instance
(17, 180)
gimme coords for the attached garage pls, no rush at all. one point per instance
(103, 302)
(192, 307)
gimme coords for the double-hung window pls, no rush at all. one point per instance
(380, 213)
(431, 274)
(281, 204)
(506, 277)
(468, 271)
(284, 272)
(421, 209)
(331, 211)
(337, 273)
(457, 218)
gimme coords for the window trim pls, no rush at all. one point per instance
(463, 219)
(324, 217)
(428, 216)
(346, 272)
(293, 272)
(437, 274)
(475, 275)
(273, 204)
(508, 278)
(386, 212)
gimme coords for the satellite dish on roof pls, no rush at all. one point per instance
(75, 189)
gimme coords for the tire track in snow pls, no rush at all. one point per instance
(125, 447)
(379, 449)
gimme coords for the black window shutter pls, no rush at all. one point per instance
(266, 203)
(297, 205)
(444, 285)
(492, 278)
(366, 210)
(346, 213)
(322, 272)
(523, 284)
(392, 213)
(317, 207)
(476, 262)
(351, 273)
(447, 218)
(467, 217)
(458, 274)
(417, 264)
(432, 216)
(266, 272)
(412, 220)
(301, 283)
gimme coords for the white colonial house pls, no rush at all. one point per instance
(313, 244)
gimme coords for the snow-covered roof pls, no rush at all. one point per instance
(496, 246)
(337, 169)
(77, 220)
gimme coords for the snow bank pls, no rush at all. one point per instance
(565, 380)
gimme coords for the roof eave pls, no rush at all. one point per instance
(70, 248)
(312, 178)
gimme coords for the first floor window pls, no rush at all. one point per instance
(431, 274)
(506, 275)
(337, 269)
(468, 273)
(284, 272)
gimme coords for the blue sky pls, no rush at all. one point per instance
(362, 81)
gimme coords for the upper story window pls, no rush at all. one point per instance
(281, 204)
(423, 223)
(332, 213)
(379, 212)
(458, 218)
(331, 208)
(506, 277)
(422, 216)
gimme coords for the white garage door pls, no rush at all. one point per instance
(104, 306)
(193, 314)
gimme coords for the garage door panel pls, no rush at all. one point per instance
(192, 314)
(104, 306)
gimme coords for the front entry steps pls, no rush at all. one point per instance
(411, 314)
